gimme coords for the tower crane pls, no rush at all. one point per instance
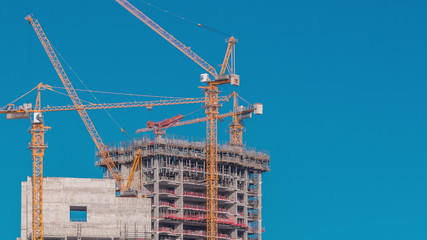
(236, 127)
(38, 146)
(25, 110)
(211, 109)
(38, 129)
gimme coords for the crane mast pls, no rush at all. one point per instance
(37, 147)
(236, 126)
(211, 109)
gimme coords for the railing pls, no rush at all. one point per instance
(194, 181)
(202, 207)
(166, 229)
(195, 206)
(202, 195)
(222, 197)
(194, 169)
(195, 232)
(163, 203)
(194, 194)
(203, 233)
(222, 210)
(167, 191)
(256, 158)
(202, 217)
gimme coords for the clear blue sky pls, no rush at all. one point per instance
(343, 84)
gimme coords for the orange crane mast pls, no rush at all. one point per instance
(37, 147)
(211, 110)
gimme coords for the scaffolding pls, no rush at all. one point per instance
(173, 174)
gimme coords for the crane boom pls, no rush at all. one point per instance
(230, 47)
(74, 97)
(148, 104)
(203, 119)
(168, 37)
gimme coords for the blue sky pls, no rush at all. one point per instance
(343, 85)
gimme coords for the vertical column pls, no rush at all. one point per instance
(37, 147)
(211, 110)
(156, 196)
(180, 201)
(245, 200)
(259, 205)
(233, 210)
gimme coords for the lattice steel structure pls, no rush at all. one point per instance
(37, 148)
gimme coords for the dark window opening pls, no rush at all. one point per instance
(78, 214)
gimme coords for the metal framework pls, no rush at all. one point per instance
(37, 148)
(212, 106)
(147, 104)
(230, 50)
(136, 165)
(236, 126)
(38, 129)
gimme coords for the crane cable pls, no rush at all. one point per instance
(91, 93)
(243, 99)
(188, 114)
(64, 94)
(186, 19)
(25, 94)
(117, 93)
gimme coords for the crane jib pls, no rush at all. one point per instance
(168, 37)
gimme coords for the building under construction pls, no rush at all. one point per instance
(172, 175)
(162, 188)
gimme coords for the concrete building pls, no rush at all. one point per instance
(172, 176)
(86, 209)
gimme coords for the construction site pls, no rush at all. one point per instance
(159, 186)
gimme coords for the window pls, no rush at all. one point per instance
(78, 214)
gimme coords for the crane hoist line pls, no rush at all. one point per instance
(186, 19)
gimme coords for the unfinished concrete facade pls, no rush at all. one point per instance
(172, 175)
(86, 209)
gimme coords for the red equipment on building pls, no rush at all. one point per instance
(159, 126)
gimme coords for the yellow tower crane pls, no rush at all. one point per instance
(38, 129)
(211, 109)
(38, 145)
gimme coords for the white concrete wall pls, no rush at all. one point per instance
(107, 215)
